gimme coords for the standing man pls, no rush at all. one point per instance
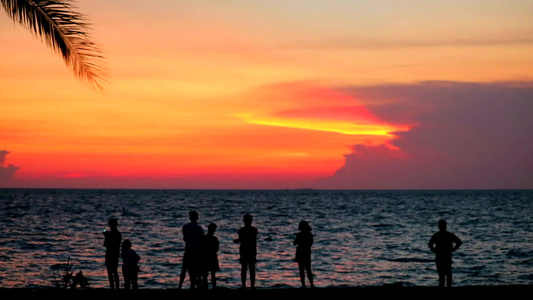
(443, 243)
(247, 249)
(192, 235)
(112, 239)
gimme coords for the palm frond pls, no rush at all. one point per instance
(65, 31)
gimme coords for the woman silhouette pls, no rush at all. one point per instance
(303, 243)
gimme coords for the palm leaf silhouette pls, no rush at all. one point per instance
(65, 31)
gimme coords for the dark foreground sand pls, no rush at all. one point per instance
(333, 293)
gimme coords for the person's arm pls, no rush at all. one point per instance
(183, 233)
(457, 242)
(432, 243)
(238, 239)
(108, 238)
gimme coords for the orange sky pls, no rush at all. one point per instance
(239, 91)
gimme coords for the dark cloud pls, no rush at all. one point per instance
(466, 135)
(7, 173)
(3, 154)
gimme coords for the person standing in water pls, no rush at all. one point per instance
(247, 237)
(443, 244)
(112, 240)
(303, 243)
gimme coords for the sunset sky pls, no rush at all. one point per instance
(386, 94)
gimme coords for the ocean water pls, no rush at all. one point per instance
(362, 238)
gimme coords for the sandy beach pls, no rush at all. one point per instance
(285, 293)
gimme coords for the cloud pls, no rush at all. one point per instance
(311, 106)
(376, 43)
(7, 173)
(467, 135)
(3, 154)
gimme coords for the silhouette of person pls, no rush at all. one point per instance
(192, 235)
(112, 239)
(247, 237)
(210, 259)
(443, 243)
(303, 243)
(130, 267)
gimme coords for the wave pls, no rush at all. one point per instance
(520, 253)
(411, 260)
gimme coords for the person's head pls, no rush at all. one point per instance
(193, 216)
(113, 223)
(211, 228)
(247, 219)
(126, 244)
(442, 225)
(304, 226)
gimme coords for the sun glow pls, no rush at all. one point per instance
(334, 126)
(236, 93)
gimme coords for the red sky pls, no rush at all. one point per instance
(276, 94)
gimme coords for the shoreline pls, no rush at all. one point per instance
(279, 293)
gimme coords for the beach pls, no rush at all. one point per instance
(392, 291)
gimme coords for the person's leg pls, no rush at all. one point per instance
(302, 273)
(449, 277)
(193, 276)
(112, 275)
(214, 279)
(117, 280)
(309, 275)
(204, 279)
(111, 278)
(252, 275)
(442, 279)
(195, 271)
(440, 271)
(182, 274)
(243, 275)
(127, 279)
(134, 279)
(445, 273)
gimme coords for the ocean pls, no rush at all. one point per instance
(362, 238)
